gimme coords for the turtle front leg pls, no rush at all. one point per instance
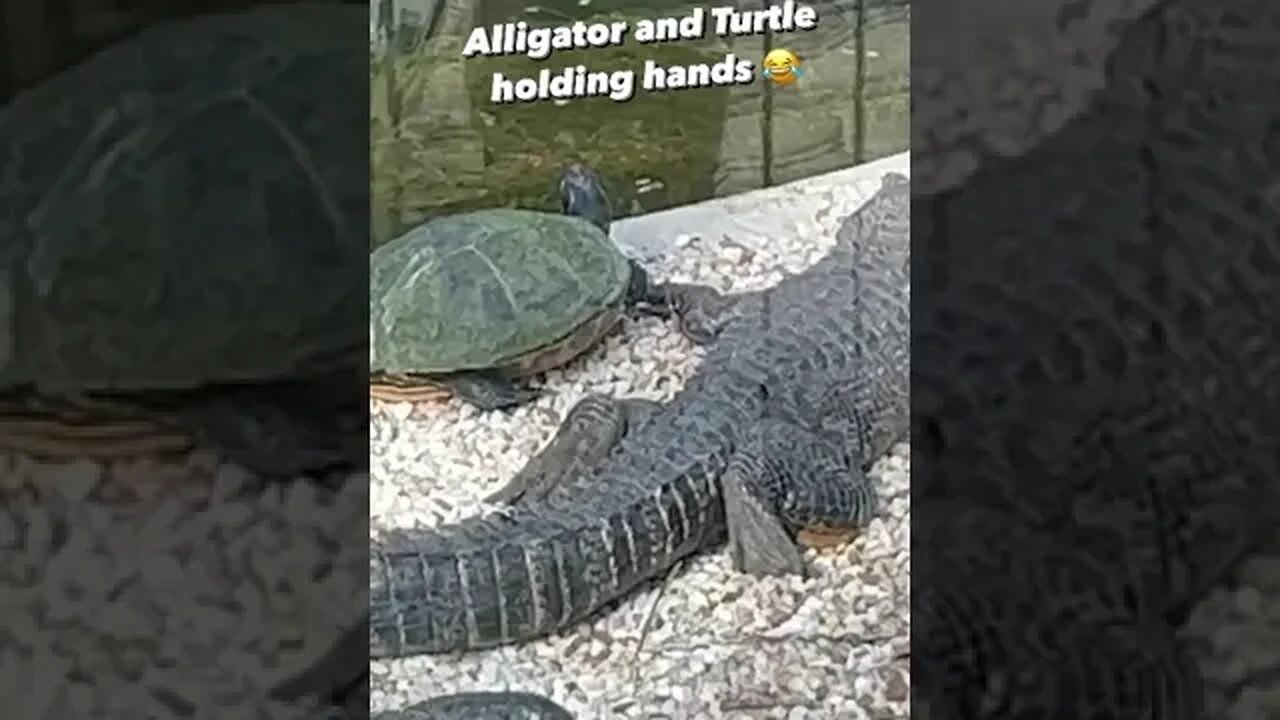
(281, 431)
(701, 310)
(488, 390)
(782, 479)
(486, 704)
(586, 436)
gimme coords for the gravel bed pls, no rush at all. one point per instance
(1235, 632)
(705, 642)
(165, 589)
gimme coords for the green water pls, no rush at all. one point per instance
(441, 146)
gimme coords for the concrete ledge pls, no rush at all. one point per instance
(755, 217)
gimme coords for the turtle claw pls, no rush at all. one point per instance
(517, 398)
(489, 391)
(281, 432)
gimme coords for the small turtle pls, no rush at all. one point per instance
(181, 234)
(471, 303)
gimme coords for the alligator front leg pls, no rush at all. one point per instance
(700, 310)
(591, 429)
(782, 478)
(280, 431)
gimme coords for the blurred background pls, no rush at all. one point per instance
(440, 147)
(39, 39)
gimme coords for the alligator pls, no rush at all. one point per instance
(1097, 428)
(803, 386)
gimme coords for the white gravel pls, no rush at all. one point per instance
(706, 642)
(148, 589)
(1235, 634)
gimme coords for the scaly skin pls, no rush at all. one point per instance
(804, 386)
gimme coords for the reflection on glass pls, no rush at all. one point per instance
(441, 144)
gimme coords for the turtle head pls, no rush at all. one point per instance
(582, 194)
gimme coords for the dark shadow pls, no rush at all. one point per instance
(1095, 376)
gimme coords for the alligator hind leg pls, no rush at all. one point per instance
(487, 390)
(782, 479)
(591, 429)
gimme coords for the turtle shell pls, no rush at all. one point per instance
(179, 210)
(489, 289)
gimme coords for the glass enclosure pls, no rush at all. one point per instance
(441, 146)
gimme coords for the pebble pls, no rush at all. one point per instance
(165, 596)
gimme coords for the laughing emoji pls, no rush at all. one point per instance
(782, 66)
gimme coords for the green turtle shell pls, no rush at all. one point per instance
(179, 210)
(490, 289)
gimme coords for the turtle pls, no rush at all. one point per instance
(472, 303)
(185, 243)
